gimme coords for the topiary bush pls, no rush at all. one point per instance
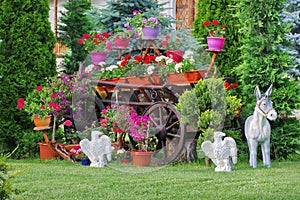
(26, 59)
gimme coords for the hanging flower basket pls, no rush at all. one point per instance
(150, 32)
(98, 57)
(215, 43)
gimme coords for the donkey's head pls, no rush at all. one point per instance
(264, 105)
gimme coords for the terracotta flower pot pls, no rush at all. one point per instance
(45, 151)
(42, 122)
(140, 158)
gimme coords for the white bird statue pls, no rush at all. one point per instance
(98, 150)
(222, 153)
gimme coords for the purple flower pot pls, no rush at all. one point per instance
(150, 32)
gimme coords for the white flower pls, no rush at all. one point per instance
(89, 68)
(189, 55)
(120, 151)
(169, 61)
(150, 69)
(101, 63)
(160, 58)
(111, 67)
(178, 66)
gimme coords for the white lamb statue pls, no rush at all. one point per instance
(98, 150)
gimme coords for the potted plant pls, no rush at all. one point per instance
(215, 41)
(97, 44)
(148, 24)
(122, 37)
(39, 103)
(79, 155)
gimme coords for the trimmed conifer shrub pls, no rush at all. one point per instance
(26, 59)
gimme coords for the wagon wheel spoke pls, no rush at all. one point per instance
(170, 135)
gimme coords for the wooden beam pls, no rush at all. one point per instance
(55, 17)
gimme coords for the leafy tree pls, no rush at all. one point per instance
(264, 62)
(73, 24)
(225, 12)
(26, 59)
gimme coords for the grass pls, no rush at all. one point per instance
(60, 179)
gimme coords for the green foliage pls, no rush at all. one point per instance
(225, 12)
(26, 58)
(114, 15)
(207, 106)
(6, 188)
(285, 138)
(74, 22)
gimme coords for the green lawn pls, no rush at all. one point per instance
(59, 179)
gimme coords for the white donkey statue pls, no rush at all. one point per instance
(258, 129)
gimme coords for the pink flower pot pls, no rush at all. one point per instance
(121, 43)
(215, 43)
(176, 55)
(98, 57)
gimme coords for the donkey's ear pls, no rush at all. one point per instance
(257, 92)
(269, 91)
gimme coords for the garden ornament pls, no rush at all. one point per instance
(222, 153)
(98, 150)
(257, 127)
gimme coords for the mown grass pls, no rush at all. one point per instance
(59, 179)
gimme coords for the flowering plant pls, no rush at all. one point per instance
(39, 102)
(123, 33)
(214, 28)
(96, 42)
(77, 152)
(61, 89)
(172, 42)
(140, 20)
(121, 119)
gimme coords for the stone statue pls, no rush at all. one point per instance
(222, 153)
(98, 150)
(257, 127)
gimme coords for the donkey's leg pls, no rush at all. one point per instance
(252, 144)
(265, 147)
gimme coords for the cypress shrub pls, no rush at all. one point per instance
(26, 59)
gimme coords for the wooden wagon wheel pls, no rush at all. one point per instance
(169, 132)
